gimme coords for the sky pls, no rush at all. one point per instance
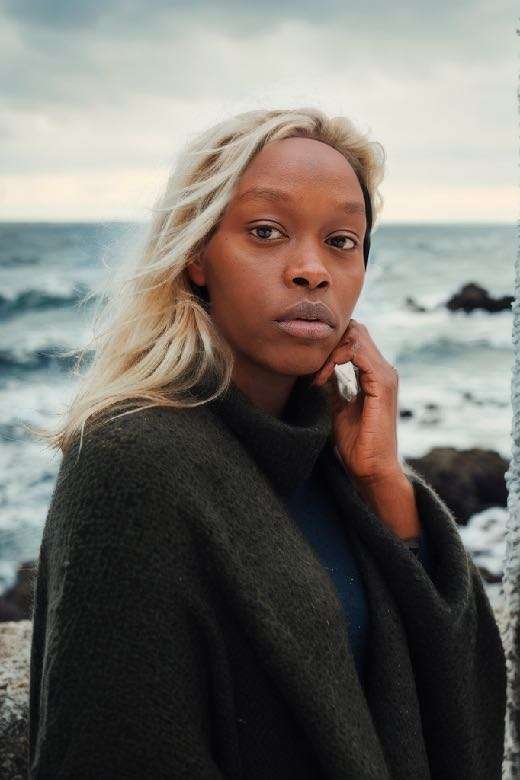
(98, 96)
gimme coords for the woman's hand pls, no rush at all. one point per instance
(365, 429)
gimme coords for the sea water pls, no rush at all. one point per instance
(461, 363)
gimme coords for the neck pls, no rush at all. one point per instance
(287, 447)
(265, 389)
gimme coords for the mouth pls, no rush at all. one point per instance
(306, 329)
(311, 319)
(307, 319)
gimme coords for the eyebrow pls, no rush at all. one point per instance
(268, 193)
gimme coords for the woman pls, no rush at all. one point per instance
(226, 587)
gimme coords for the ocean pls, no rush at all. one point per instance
(460, 362)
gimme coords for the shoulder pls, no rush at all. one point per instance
(124, 508)
(150, 458)
(144, 440)
(130, 479)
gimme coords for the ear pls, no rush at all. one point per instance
(195, 270)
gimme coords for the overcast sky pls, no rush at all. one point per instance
(98, 96)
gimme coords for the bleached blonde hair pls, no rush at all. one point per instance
(158, 338)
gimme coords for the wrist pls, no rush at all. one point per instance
(391, 478)
(392, 498)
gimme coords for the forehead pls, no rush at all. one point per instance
(294, 163)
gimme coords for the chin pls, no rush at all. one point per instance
(295, 365)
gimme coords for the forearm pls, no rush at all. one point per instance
(392, 499)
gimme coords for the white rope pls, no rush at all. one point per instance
(511, 579)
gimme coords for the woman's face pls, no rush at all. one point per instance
(293, 231)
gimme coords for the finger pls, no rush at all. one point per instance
(344, 353)
(324, 372)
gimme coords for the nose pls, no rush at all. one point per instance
(308, 272)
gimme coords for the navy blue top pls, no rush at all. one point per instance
(315, 511)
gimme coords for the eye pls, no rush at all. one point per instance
(345, 238)
(263, 228)
(270, 229)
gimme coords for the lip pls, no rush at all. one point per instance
(306, 329)
(315, 311)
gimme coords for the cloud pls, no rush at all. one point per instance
(235, 15)
(94, 87)
(55, 52)
(54, 13)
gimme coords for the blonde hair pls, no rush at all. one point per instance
(159, 338)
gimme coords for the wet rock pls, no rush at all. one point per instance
(8, 611)
(17, 601)
(489, 576)
(412, 305)
(467, 395)
(472, 296)
(430, 414)
(469, 481)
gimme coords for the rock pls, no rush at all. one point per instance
(469, 481)
(412, 305)
(472, 296)
(15, 647)
(430, 414)
(16, 602)
(489, 576)
(467, 395)
(9, 611)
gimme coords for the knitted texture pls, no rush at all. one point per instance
(320, 519)
(185, 628)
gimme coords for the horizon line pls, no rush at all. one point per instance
(111, 221)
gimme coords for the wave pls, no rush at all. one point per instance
(14, 432)
(445, 347)
(39, 359)
(40, 300)
(15, 261)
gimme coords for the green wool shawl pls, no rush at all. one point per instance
(185, 628)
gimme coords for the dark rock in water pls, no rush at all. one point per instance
(8, 611)
(472, 296)
(430, 415)
(467, 395)
(489, 576)
(468, 481)
(482, 552)
(16, 602)
(412, 304)
(405, 413)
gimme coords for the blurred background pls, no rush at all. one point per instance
(99, 96)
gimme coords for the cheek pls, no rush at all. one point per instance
(350, 286)
(241, 296)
